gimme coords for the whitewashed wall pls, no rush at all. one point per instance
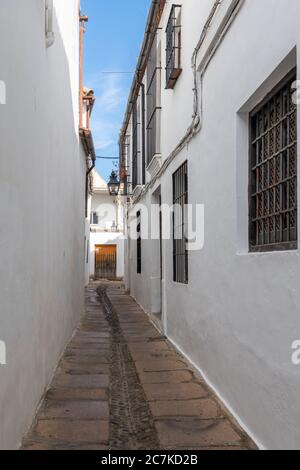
(108, 238)
(110, 210)
(239, 314)
(42, 187)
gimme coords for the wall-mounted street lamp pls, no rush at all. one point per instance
(114, 184)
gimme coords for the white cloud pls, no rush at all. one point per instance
(111, 94)
(110, 97)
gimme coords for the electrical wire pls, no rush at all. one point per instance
(107, 158)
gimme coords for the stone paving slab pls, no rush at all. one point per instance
(167, 377)
(197, 432)
(121, 385)
(73, 431)
(82, 394)
(75, 412)
(185, 412)
(204, 408)
(84, 368)
(165, 365)
(181, 391)
(81, 381)
(88, 410)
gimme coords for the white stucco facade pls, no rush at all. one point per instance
(42, 189)
(238, 316)
(106, 224)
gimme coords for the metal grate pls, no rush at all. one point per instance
(139, 244)
(180, 199)
(173, 49)
(273, 171)
(153, 102)
(125, 149)
(135, 145)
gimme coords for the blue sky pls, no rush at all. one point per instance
(112, 43)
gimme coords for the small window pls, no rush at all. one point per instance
(180, 200)
(139, 243)
(273, 171)
(125, 150)
(135, 145)
(173, 50)
(94, 218)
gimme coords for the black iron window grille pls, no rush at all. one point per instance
(180, 200)
(139, 243)
(173, 50)
(124, 169)
(135, 145)
(153, 103)
(273, 171)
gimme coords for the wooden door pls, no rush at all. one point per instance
(106, 261)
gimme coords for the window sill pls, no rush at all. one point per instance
(171, 82)
(137, 192)
(177, 283)
(276, 252)
(276, 248)
(154, 165)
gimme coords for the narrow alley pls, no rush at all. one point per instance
(150, 229)
(121, 385)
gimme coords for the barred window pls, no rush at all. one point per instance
(180, 199)
(173, 50)
(139, 243)
(135, 145)
(273, 171)
(153, 102)
(125, 150)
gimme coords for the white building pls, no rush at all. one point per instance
(43, 168)
(107, 236)
(211, 114)
(88, 101)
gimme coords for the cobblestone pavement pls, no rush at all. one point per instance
(120, 385)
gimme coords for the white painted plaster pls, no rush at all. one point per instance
(239, 315)
(42, 189)
(109, 229)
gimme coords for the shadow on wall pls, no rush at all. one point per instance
(41, 207)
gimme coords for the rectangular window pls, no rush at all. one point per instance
(135, 145)
(124, 164)
(273, 171)
(180, 199)
(139, 243)
(173, 50)
(153, 103)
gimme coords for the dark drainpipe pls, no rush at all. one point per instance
(87, 186)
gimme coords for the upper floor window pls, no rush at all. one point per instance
(125, 150)
(153, 101)
(173, 50)
(94, 218)
(273, 171)
(180, 200)
(135, 144)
